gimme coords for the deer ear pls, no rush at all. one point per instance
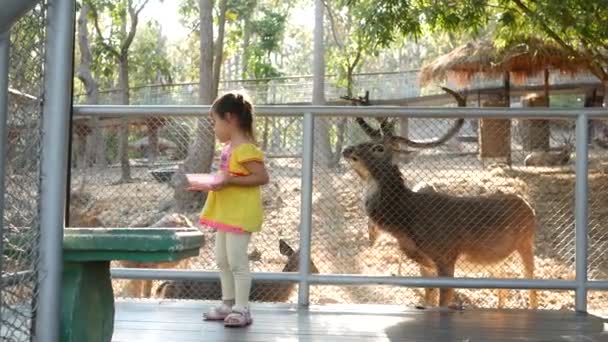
(284, 248)
(378, 148)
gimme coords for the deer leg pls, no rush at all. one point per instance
(372, 232)
(132, 289)
(502, 293)
(430, 294)
(147, 289)
(526, 252)
(426, 264)
(446, 269)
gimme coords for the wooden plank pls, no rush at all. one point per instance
(169, 321)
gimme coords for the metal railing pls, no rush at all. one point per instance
(581, 284)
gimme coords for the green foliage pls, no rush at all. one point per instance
(149, 60)
(268, 31)
(577, 25)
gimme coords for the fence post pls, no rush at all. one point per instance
(5, 43)
(580, 214)
(55, 122)
(306, 209)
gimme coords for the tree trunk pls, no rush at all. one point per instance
(342, 122)
(99, 142)
(495, 134)
(322, 143)
(404, 127)
(246, 42)
(123, 137)
(265, 133)
(96, 153)
(152, 126)
(219, 48)
(592, 100)
(340, 137)
(537, 133)
(200, 154)
(601, 131)
(81, 145)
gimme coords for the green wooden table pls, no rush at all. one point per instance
(87, 296)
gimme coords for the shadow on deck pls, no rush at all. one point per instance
(169, 321)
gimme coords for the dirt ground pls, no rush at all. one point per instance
(340, 241)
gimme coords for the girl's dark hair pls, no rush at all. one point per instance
(238, 105)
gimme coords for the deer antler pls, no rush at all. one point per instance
(386, 126)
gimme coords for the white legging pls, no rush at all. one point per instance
(233, 263)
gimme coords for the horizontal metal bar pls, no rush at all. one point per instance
(597, 285)
(378, 111)
(472, 283)
(176, 274)
(348, 279)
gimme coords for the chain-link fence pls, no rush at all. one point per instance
(397, 86)
(20, 233)
(518, 184)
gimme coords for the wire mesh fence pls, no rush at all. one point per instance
(21, 226)
(526, 183)
(298, 89)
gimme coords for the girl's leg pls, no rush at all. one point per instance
(223, 264)
(226, 279)
(236, 247)
(239, 264)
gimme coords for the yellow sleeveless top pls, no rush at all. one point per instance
(235, 208)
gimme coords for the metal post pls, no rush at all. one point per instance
(580, 215)
(55, 120)
(5, 43)
(306, 209)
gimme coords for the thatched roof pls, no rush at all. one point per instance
(525, 58)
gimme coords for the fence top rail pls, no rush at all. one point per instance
(142, 111)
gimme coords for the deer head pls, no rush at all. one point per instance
(293, 258)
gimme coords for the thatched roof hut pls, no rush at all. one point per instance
(522, 59)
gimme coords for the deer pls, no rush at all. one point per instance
(435, 229)
(545, 158)
(386, 135)
(262, 291)
(136, 288)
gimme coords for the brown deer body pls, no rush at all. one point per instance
(262, 291)
(136, 288)
(436, 229)
(543, 158)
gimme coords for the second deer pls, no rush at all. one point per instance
(262, 291)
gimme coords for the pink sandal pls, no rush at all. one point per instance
(218, 313)
(238, 318)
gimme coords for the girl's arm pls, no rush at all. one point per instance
(257, 175)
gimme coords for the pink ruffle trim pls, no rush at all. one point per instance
(220, 226)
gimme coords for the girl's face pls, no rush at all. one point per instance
(222, 127)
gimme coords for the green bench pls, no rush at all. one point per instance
(87, 296)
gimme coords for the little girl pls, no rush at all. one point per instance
(234, 206)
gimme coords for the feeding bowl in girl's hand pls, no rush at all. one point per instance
(204, 179)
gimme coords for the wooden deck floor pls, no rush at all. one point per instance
(181, 321)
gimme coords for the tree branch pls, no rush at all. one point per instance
(107, 46)
(593, 67)
(544, 26)
(134, 14)
(333, 25)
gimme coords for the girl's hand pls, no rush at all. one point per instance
(223, 180)
(197, 187)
